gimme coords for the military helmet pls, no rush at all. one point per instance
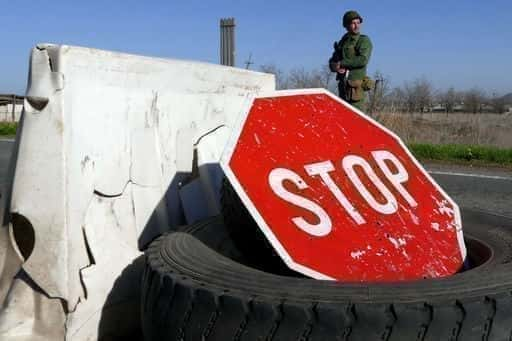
(349, 16)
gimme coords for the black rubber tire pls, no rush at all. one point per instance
(213, 233)
(192, 292)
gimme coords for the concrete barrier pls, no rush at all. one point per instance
(113, 150)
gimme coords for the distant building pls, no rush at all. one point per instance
(458, 107)
(438, 108)
(10, 108)
(442, 108)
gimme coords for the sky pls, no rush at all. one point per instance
(464, 44)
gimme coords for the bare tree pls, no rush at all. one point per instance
(474, 100)
(410, 97)
(328, 78)
(498, 104)
(299, 78)
(396, 101)
(377, 96)
(418, 95)
(281, 79)
(449, 99)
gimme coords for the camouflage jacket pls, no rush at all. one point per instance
(353, 51)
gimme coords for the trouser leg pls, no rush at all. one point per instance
(341, 91)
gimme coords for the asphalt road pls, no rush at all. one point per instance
(478, 188)
(487, 189)
(5, 155)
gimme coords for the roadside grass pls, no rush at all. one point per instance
(457, 128)
(8, 128)
(471, 154)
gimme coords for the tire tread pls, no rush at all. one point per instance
(178, 304)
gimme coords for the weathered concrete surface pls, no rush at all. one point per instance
(107, 140)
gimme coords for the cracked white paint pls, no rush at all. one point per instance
(209, 151)
(109, 226)
(100, 164)
(444, 208)
(397, 242)
(357, 254)
(435, 226)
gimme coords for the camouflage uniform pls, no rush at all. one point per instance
(353, 53)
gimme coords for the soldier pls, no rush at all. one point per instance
(349, 60)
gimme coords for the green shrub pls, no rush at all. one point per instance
(8, 128)
(456, 152)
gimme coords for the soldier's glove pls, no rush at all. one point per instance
(334, 66)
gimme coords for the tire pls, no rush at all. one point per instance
(192, 292)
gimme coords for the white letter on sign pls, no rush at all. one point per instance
(323, 169)
(396, 179)
(349, 162)
(276, 178)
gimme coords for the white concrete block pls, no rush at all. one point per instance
(106, 138)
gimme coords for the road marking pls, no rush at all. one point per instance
(6, 140)
(472, 175)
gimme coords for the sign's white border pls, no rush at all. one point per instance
(230, 147)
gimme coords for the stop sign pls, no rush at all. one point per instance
(338, 195)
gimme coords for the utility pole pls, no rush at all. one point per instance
(377, 96)
(249, 62)
(13, 108)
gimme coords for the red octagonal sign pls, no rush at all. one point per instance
(338, 195)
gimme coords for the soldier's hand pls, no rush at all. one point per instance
(337, 67)
(334, 66)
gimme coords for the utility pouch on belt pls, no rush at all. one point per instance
(368, 84)
(355, 90)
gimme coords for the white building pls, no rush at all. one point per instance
(10, 108)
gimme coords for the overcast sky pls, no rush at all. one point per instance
(464, 44)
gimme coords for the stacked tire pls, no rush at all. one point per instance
(210, 281)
